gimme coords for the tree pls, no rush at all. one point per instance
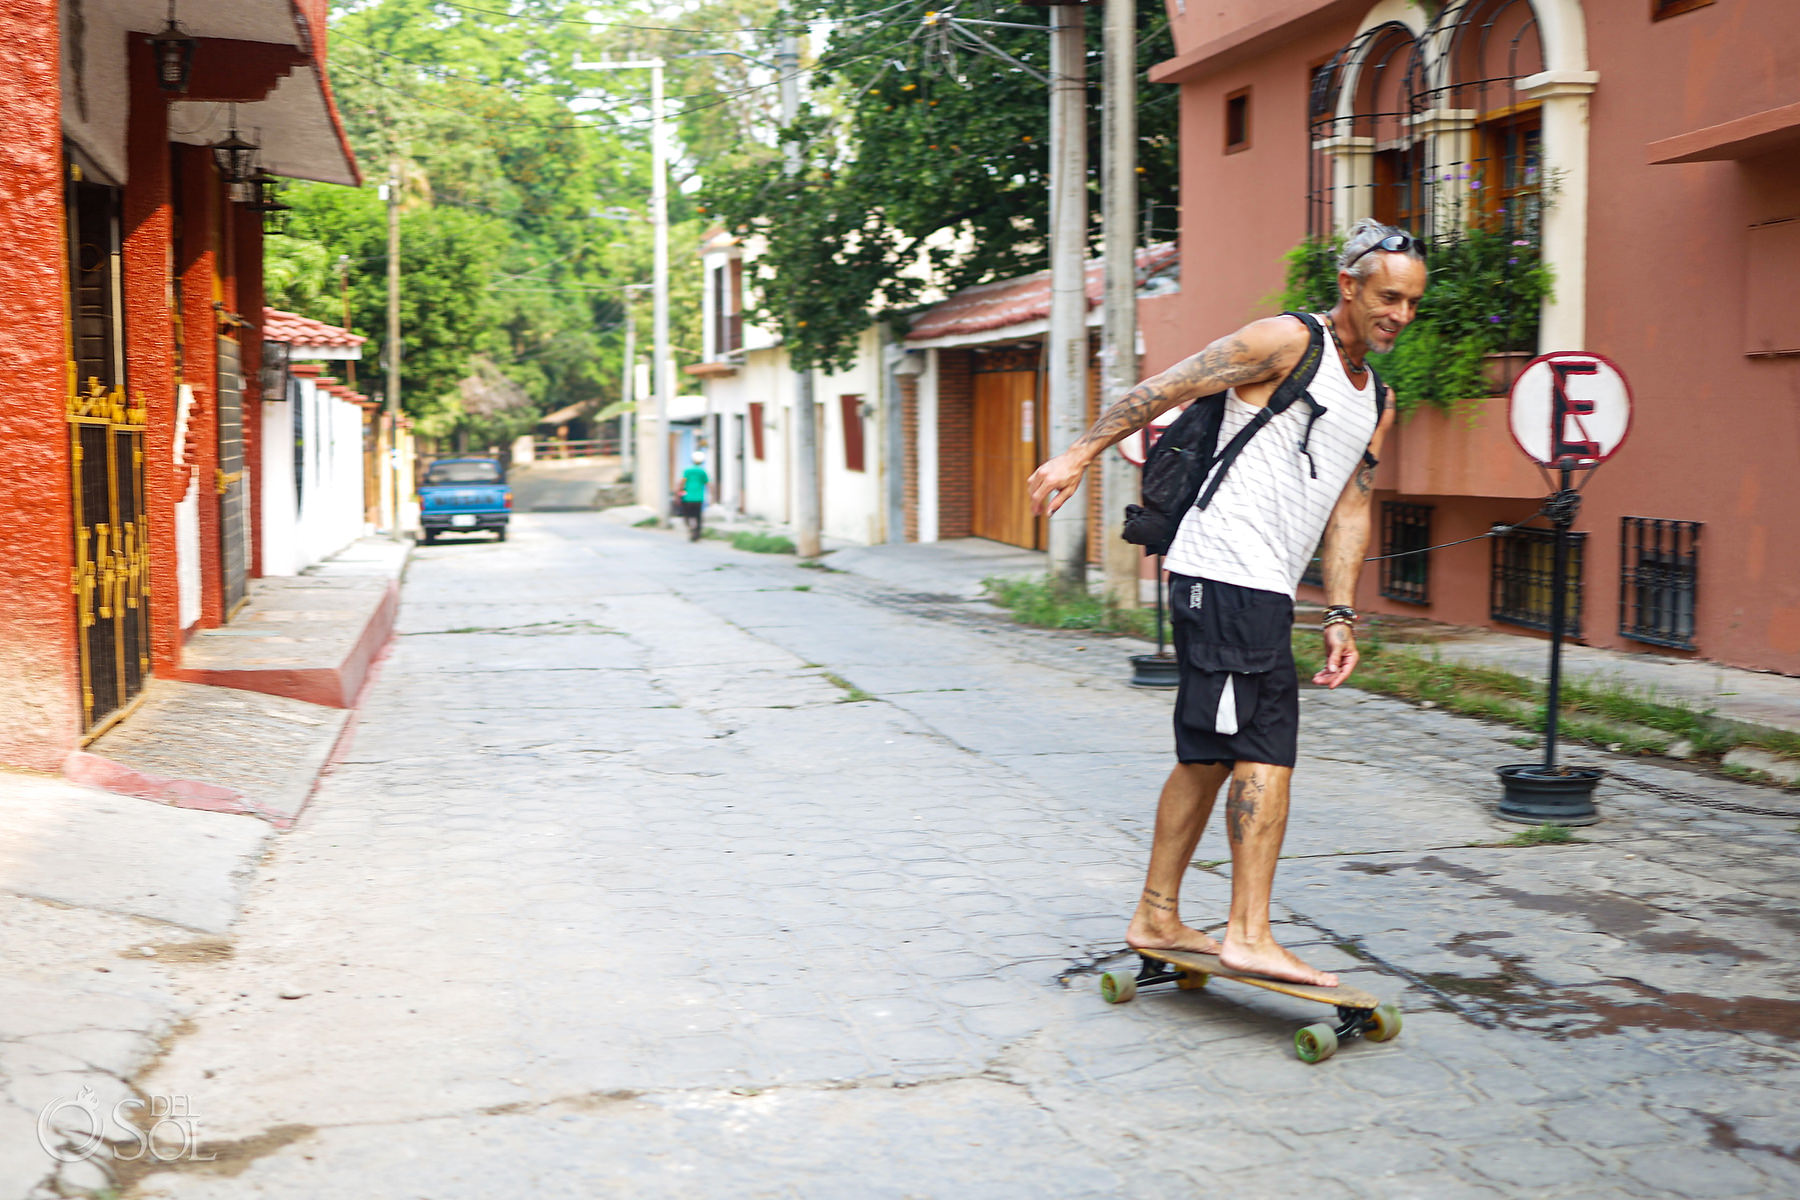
(924, 160)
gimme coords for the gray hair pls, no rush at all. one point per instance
(1356, 263)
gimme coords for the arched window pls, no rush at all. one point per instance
(1437, 126)
(1428, 131)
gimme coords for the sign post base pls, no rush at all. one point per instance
(1537, 795)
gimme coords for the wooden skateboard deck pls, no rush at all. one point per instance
(1209, 964)
(1359, 1013)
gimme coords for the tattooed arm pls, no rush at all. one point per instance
(1262, 351)
(1341, 555)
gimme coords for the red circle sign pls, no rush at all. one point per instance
(1570, 408)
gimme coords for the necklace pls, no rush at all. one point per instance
(1344, 354)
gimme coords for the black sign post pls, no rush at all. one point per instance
(1568, 427)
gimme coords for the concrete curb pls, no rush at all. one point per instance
(97, 771)
(332, 687)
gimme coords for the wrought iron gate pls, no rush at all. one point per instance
(234, 530)
(111, 576)
(112, 549)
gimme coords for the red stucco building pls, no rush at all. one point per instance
(131, 352)
(1655, 145)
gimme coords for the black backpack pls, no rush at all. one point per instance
(1187, 452)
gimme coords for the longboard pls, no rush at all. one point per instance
(1359, 1013)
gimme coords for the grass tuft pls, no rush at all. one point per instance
(852, 693)
(761, 543)
(646, 523)
(1051, 605)
(1542, 835)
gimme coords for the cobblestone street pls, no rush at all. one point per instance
(663, 869)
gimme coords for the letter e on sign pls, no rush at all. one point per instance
(1570, 409)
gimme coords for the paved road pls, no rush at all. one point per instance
(661, 869)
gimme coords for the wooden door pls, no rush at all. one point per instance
(1007, 427)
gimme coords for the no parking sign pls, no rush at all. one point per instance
(1570, 409)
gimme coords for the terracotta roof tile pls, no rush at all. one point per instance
(1016, 301)
(299, 331)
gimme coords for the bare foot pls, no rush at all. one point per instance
(1142, 935)
(1270, 960)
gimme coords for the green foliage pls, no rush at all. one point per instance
(917, 161)
(761, 543)
(1045, 603)
(1550, 834)
(504, 256)
(1486, 287)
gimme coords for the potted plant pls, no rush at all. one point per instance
(1477, 325)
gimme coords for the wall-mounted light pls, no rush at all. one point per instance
(262, 194)
(174, 55)
(236, 157)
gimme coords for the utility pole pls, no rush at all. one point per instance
(393, 342)
(662, 369)
(1118, 349)
(628, 389)
(806, 426)
(1066, 343)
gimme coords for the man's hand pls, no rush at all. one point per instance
(1053, 483)
(1340, 656)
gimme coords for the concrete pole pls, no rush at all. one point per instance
(391, 514)
(1118, 348)
(1066, 343)
(663, 371)
(628, 394)
(806, 426)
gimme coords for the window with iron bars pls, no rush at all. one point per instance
(1519, 582)
(1406, 531)
(1659, 574)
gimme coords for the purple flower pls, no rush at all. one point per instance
(1511, 261)
(1475, 184)
(1493, 320)
(1521, 242)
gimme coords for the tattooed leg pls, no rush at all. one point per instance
(1181, 816)
(1256, 821)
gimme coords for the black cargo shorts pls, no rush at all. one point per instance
(1239, 698)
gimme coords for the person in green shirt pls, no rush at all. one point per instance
(693, 495)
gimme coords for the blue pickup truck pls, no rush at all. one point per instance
(464, 495)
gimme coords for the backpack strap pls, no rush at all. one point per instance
(1291, 389)
(1369, 460)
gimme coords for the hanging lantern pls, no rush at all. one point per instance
(236, 157)
(174, 51)
(263, 195)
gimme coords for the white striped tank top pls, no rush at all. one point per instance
(1262, 527)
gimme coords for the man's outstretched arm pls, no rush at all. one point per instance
(1251, 355)
(1341, 556)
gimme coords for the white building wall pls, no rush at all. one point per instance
(928, 449)
(328, 514)
(850, 505)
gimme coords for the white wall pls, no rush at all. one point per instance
(850, 504)
(928, 449)
(328, 513)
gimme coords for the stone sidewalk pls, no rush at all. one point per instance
(667, 868)
(139, 860)
(1753, 698)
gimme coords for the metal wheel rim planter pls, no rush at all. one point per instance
(1560, 796)
(1155, 671)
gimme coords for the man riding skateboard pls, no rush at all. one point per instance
(1233, 569)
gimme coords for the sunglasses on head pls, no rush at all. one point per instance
(1393, 243)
